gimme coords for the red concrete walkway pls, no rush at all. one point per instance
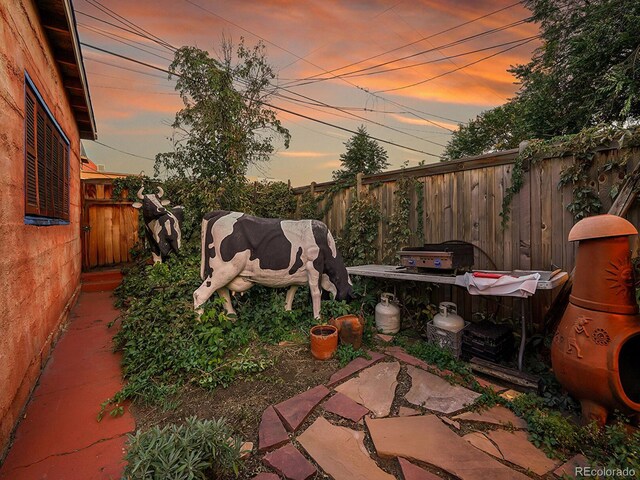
(59, 437)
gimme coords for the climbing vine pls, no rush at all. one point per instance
(583, 147)
(399, 234)
(358, 238)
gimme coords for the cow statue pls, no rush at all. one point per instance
(163, 227)
(240, 250)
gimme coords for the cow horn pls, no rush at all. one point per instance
(160, 192)
(140, 193)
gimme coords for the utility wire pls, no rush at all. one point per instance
(108, 35)
(127, 23)
(122, 151)
(459, 68)
(121, 28)
(113, 34)
(342, 76)
(304, 59)
(455, 27)
(437, 60)
(262, 102)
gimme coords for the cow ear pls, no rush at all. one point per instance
(136, 205)
(164, 203)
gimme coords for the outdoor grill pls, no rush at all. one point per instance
(453, 255)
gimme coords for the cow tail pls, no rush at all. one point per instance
(203, 245)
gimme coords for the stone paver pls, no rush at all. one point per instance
(340, 452)
(271, 432)
(266, 476)
(289, 462)
(569, 468)
(487, 384)
(408, 412)
(413, 472)
(246, 449)
(374, 388)
(295, 410)
(516, 448)
(354, 366)
(453, 423)
(432, 392)
(384, 337)
(345, 407)
(497, 415)
(480, 440)
(400, 354)
(427, 439)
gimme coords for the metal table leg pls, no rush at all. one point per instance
(523, 339)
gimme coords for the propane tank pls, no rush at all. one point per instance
(388, 314)
(448, 318)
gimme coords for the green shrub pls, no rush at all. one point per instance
(346, 353)
(199, 449)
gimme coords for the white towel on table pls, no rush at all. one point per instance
(505, 286)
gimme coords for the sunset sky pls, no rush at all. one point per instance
(134, 105)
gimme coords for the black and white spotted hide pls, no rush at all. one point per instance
(163, 226)
(241, 250)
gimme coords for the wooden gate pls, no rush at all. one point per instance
(109, 225)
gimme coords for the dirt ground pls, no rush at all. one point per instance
(242, 403)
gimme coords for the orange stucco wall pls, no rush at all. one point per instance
(39, 266)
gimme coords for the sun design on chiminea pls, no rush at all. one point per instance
(620, 276)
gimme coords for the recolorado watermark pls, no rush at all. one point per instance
(604, 472)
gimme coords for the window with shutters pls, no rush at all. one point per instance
(46, 162)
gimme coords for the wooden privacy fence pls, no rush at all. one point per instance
(463, 200)
(109, 225)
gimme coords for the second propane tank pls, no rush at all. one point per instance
(388, 314)
(447, 318)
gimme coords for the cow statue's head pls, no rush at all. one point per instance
(152, 206)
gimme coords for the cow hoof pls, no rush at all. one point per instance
(232, 317)
(200, 311)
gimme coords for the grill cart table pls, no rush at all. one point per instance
(548, 281)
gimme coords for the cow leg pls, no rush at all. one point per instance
(289, 300)
(228, 306)
(210, 285)
(314, 286)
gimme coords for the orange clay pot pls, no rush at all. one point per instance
(324, 341)
(596, 347)
(350, 328)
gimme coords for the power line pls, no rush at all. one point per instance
(299, 57)
(362, 118)
(113, 34)
(122, 151)
(262, 102)
(127, 23)
(459, 68)
(120, 28)
(342, 76)
(112, 37)
(437, 60)
(422, 39)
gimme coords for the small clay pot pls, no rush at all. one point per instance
(324, 341)
(350, 329)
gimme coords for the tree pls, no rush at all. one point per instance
(585, 72)
(224, 126)
(363, 154)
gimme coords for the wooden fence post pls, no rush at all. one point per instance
(358, 185)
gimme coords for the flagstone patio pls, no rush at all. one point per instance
(364, 427)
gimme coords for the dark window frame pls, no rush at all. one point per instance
(47, 163)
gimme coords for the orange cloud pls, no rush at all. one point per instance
(299, 154)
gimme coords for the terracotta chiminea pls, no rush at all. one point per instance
(596, 348)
